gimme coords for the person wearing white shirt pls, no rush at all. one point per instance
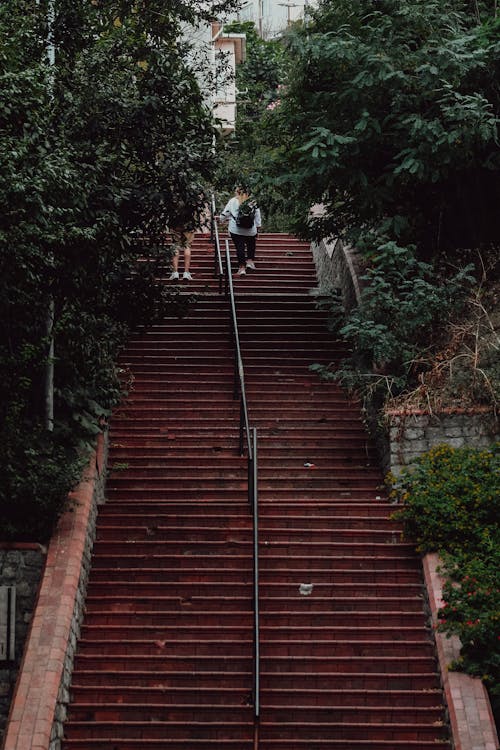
(244, 238)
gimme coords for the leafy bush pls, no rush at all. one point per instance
(451, 505)
(451, 499)
(38, 470)
(401, 302)
(472, 611)
(404, 302)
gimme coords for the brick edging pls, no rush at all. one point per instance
(43, 671)
(471, 718)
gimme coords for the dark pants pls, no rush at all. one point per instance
(245, 247)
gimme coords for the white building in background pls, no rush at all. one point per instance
(214, 58)
(272, 17)
(229, 51)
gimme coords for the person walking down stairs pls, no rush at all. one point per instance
(244, 219)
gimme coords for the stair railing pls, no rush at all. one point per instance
(254, 499)
(252, 464)
(214, 236)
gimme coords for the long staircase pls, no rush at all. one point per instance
(165, 657)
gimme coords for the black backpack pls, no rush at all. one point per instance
(246, 214)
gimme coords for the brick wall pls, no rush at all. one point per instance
(63, 696)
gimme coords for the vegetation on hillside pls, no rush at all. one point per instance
(387, 114)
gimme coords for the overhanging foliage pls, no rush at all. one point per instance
(390, 121)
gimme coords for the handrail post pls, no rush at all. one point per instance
(236, 384)
(251, 481)
(242, 425)
(227, 274)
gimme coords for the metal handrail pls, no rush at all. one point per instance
(253, 468)
(251, 436)
(218, 267)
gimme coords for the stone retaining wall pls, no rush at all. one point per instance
(410, 434)
(21, 566)
(337, 267)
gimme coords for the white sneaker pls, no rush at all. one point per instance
(173, 276)
(240, 272)
(251, 264)
(187, 275)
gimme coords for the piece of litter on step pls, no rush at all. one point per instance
(309, 465)
(377, 497)
(305, 589)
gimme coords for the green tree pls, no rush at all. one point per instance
(248, 153)
(390, 122)
(111, 143)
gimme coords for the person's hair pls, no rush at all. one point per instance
(242, 188)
